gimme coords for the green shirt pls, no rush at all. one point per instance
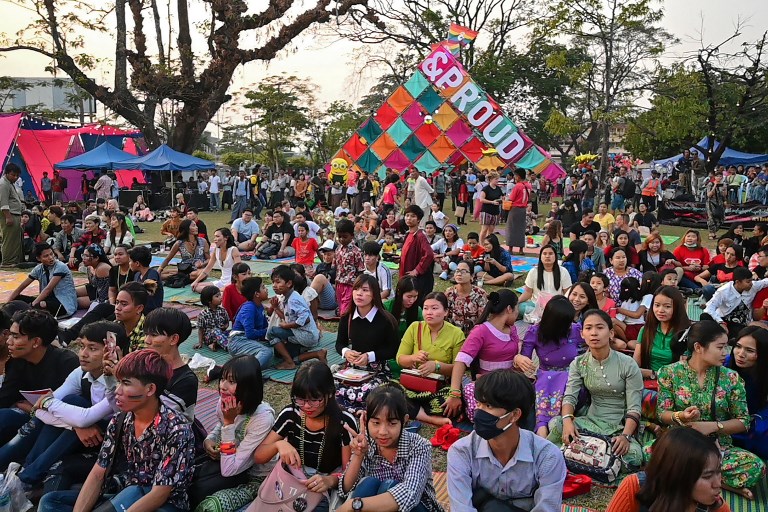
(403, 325)
(661, 351)
(443, 349)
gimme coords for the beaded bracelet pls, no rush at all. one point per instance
(228, 448)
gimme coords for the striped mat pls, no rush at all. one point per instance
(741, 504)
(440, 481)
(695, 311)
(205, 409)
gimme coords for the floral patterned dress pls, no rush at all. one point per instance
(614, 288)
(463, 311)
(679, 388)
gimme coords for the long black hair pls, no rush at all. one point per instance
(650, 283)
(314, 380)
(246, 372)
(495, 246)
(555, 270)
(183, 234)
(556, 320)
(630, 290)
(497, 302)
(227, 234)
(405, 285)
(760, 377)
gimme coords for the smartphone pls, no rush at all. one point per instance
(111, 345)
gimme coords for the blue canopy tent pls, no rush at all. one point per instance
(166, 159)
(104, 156)
(729, 157)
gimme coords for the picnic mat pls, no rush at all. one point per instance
(11, 279)
(741, 504)
(205, 409)
(522, 264)
(694, 310)
(158, 259)
(327, 341)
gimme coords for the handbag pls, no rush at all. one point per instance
(410, 379)
(460, 211)
(506, 205)
(283, 491)
(592, 454)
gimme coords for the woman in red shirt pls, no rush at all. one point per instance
(517, 218)
(463, 200)
(389, 196)
(232, 298)
(693, 256)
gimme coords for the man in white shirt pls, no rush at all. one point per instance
(731, 305)
(422, 193)
(72, 416)
(214, 183)
(374, 267)
(246, 230)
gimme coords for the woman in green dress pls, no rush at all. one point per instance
(615, 384)
(404, 306)
(689, 389)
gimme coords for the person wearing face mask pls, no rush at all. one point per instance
(501, 466)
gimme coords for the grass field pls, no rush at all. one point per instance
(279, 394)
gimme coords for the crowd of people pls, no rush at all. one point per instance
(608, 351)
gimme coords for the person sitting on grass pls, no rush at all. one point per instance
(249, 329)
(245, 420)
(98, 270)
(501, 466)
(683, 474)
(374, 267)
(304, 246)
(140, 260)
(193, 250)
(404, 305)
(389, 250)
(225, 255)
(70, 417)
(297, 331)
(57, 293)
(245, 231)
(232, 297)
(731, 305)
(146, 425)
(496, 263)
(213, 321)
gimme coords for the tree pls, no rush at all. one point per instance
(192, 85)
(720, 92)
(623, 41)
(330, 129)
(280, 107)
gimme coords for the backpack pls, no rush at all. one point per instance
(628, 188)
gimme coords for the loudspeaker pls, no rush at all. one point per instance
(128, 197)
(160, 201)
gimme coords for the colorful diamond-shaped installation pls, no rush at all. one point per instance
(456, 159)
(430, 100)
(399, 131)
(384, 146)
(442, 148)
(473, 149)
(397, 161)
(368, 161)
(414, 116)
(445, 116)
(427, 133)
(450, 91)
(400, 99)
(386, 116)
(459, 133)
(427, 163)
(416, 84)
(370, 130)
(412, 148)
(355, 147)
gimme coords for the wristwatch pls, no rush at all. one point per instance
(357, 504)
(653, 375)
(720, 426)
(45, 403)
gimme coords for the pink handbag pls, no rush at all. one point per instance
(283, 491)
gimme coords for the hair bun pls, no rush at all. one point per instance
(494, 298)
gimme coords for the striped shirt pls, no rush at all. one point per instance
(383, 275)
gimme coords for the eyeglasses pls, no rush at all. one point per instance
(313, 402)
(461, 271)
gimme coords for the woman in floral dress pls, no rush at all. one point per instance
(687, 390)
(618, 270)
(557, 340)
(466, 302)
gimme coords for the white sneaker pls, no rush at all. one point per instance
(444, 276)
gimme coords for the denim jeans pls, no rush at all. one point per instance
(685, 282)
(64, 501)
(214, 201)
(370, 486)
(11, 420)
(587, 204)
(708, 291)
(240, 345)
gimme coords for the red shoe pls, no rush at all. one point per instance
(439, 437)
(451, 437)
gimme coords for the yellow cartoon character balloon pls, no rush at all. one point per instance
(339, 168)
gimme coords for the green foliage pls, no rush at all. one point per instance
(205, 156)
(298, 162)
(234, 159)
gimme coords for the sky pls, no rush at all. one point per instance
(330, 64)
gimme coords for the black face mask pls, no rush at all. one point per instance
(485, 424)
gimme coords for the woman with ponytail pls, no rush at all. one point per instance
(493, 343)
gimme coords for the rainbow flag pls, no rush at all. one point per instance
(461, 35)
(451, 45)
